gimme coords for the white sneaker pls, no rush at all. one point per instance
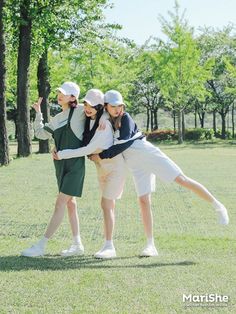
(149, 251)
(223, 215)
(75, 249)
(106, 253)
(33, 251)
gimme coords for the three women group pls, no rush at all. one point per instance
(102, 130)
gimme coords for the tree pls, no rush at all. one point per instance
(221, 46)
(180, 74)
(80, 24)
(4, 149)
(23, 64)
(145, 93)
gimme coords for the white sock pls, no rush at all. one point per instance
(217, 205)
(43, 242)
(108, 244)
(150, 241)
(77, 239)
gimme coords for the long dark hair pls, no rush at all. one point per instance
(88, 134)
(73, 103)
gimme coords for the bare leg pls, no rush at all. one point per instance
(108, 249)
(146, 212)
(73, 216)
(77, 247)
(58, 214)
(108, 207)
(203, 193)
(196, 187)
(39, 248)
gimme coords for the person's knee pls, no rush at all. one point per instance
(71, 206)
(107, 204)
(144, 200)
(182, 179)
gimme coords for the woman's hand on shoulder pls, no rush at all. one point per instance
(102, 125)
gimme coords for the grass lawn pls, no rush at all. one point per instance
(196, 255)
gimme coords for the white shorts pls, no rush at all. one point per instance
(144, 159)
(145, 182)
(111, 177)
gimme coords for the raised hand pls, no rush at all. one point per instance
(37, 105)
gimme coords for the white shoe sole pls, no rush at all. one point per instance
(105, 256)
(72, 254)
(148, 254)
(28, 255)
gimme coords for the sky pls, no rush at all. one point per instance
(139, 18)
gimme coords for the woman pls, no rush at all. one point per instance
(111, 173)
(144, 159)
(67, 129)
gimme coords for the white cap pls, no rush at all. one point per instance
(114, 98)
(94, 97)
(69, 88)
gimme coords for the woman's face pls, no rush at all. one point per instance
(115, 111)
(89, 111)
(64, 100)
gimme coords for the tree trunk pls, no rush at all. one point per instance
(148, 119)
(23, 64)
(151, 113)
(203, 120)
(180, 131)
(43, 91)
(183, 126)
(155, 119)
(4, 148)
(195, 117)
(223, 125)
(214, 121)
(174, 120)
(233, 123)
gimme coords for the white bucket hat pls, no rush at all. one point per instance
(94, 97)
(114, 98)
(69, 88)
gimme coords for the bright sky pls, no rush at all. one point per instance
(139, 18)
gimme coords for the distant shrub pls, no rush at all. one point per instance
(190, 135)
(209, 134)
(194, 134)
(199, 134)
(161, 135)
(228, 134)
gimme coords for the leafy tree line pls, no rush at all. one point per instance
(49, 42)
(34, 27)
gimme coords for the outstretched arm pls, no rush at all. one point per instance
(128, 134)
(100, 140)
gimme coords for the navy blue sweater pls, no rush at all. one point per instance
(127, 130)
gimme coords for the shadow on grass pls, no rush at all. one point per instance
(55, 262)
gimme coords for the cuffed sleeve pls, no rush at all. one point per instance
(42, 131)
(102, 139)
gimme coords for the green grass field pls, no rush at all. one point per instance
(196, 255)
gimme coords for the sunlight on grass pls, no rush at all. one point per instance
(196, 255)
